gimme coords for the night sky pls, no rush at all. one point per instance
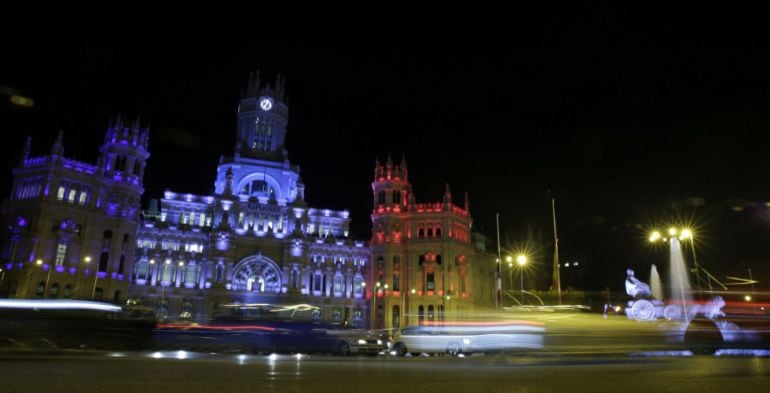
(630, 125)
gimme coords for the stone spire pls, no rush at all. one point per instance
(58, 146)
(26, 151)
(447, 196)
(229, 182)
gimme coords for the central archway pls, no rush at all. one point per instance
(257, 273)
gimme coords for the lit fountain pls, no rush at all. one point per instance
(655, 286)
(678, 280)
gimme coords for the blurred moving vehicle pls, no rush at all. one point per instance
(461, 338)
(74, 324)
(267, 328)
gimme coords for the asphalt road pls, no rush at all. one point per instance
(168, 372)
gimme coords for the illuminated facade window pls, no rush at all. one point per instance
(337, 283)
(61, 254)
(72, 194)
(317, 281)
(191, 274)
(396, 317)
(62, 190)
(83, 196)
(294, 278)
(396, 270)
(430, 281)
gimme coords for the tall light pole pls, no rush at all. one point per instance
(509, 259)
(39, 262)
(498, 283)
(87, 259)
(522, 260)
(556, 283)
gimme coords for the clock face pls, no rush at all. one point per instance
(266, 104)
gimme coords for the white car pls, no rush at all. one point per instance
(457, 338)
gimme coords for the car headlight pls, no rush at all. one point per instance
(361, 342)
(379, 342)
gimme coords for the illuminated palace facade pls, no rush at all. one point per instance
(75, 230)
(428, 265)
(255, 240)
(70, 226)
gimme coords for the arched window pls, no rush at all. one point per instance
(441, 313)
(62, 190)
(430, 284)
(67, 293)
(187, 308)
(220, 273)
(420, 314)
(431, 315)
(53, 293)
(357, 287)
(191, 273)
(438, 232)
(396, 270)
(430, 232)
(358, 317)
(122, 264)
(421, 232)
(337, 283)
(168, 272)
(107, 239)
(72, 194)
(103, 260)
(141, 270)
(83, 196)
(40, 291)
(137, 168)
(396, 317)
(99, 294)
(116, 297)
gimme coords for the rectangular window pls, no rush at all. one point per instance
(72, 194)
(317, 282)
(337, 284)
(61, 254)
(62, 190)
(83, 196)
(396, 270)
(431, 282)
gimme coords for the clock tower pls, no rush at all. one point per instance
(262, 118)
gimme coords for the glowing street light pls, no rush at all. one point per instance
(521, 260)
(39, 262)
(683, 234)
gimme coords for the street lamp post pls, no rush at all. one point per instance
(87, 259)
(509, 259)
(39, 262)
(522, 260)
